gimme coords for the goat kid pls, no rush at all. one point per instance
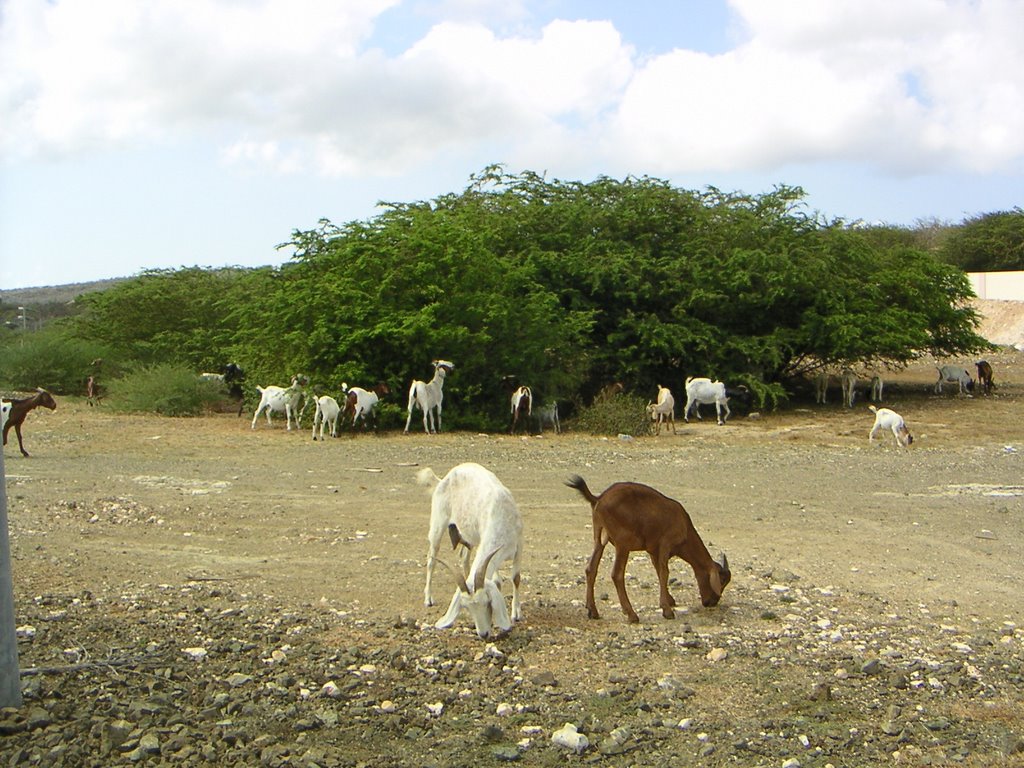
(664, 410)
(953, 374)
(282, 400)
(886, 418)
(522, 408)
(17, 410)
(428, 396)
(477, 511)
(327, 412)
(634, 517)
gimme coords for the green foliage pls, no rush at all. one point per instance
(49, 359)
(566, 285)
(993, 242)
(623, 414)
(166, 389)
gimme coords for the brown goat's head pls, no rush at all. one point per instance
(713, 583)
(45, 399)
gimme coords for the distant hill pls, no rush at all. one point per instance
(56, 294)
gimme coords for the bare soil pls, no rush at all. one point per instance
(875, 612)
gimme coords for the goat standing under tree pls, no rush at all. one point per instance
(19, 410)
(428, 396)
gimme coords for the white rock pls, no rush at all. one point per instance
(387, 706)
(25, 632)
(716, 654)
(504, 709)
(435, 709)
(196, 654)
(331, 690)
(567, 736)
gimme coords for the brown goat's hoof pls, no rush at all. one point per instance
(633, 618)
(593, 614)
(668, 613)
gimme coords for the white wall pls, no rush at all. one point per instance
(1005, 286)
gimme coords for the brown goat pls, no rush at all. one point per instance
(985, 376)
(20, 409)
(634, 517)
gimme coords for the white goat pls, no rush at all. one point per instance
(282, 400)
(664, 410)
(549, 415)
(477, 511)
(428, 397)
(848, 380)
(327, 412)
(877, 388)
(5, 410)
(702, 390)
(821, 382)
(362, 402)
(952, 374)
(886, 418)
(522, 408)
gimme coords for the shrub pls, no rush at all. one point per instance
(47, 359)
(622, 414)
(168, 390)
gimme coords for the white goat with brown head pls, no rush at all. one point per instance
(478, 512)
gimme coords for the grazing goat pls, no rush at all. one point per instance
(952, 374)
(17, 410)
(327, 411)
(634, 517)
(548, 414)
(361, 403)
(92, 391)
(428, 396)
(985, 376)
(664, 410)
(702, 390)
(522, 408)
(477, 511)
(609, 391)
(231, 380)
(886, 418)
(282, 400)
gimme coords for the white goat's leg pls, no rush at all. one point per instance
(452, 613)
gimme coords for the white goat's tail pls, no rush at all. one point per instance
(427, 477)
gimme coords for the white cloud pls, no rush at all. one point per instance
(298, 84)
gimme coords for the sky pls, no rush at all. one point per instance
(141, 134)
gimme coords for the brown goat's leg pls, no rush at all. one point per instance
(666, 599)
(595, 561)
(619, 579)
(17, 429)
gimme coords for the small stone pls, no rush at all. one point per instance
(506, 754)
(871, 667)
(717, 654)
(544, 679)
(237, 680)
(504, 709)
(791, 763)
(567, 736)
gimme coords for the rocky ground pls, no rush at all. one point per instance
(195, 592)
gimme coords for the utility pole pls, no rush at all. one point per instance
(10, 673)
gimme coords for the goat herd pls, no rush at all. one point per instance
(480, 515)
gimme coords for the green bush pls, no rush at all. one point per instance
(168, 390)
(49, 359)
(621, 414)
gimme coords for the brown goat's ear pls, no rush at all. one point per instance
(725, 562)
(716, 581)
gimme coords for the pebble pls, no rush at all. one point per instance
(567, 736)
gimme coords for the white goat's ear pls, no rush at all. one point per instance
(499, 611)
(452, 613)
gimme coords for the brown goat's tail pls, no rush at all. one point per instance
(580, 485)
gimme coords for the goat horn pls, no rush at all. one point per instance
(482, 573)
(459, 578)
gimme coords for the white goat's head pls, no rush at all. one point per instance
(484, 602)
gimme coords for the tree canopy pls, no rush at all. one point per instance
(567, 285)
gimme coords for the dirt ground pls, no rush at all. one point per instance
(847, 559)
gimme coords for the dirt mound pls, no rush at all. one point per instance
(1002, 321)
